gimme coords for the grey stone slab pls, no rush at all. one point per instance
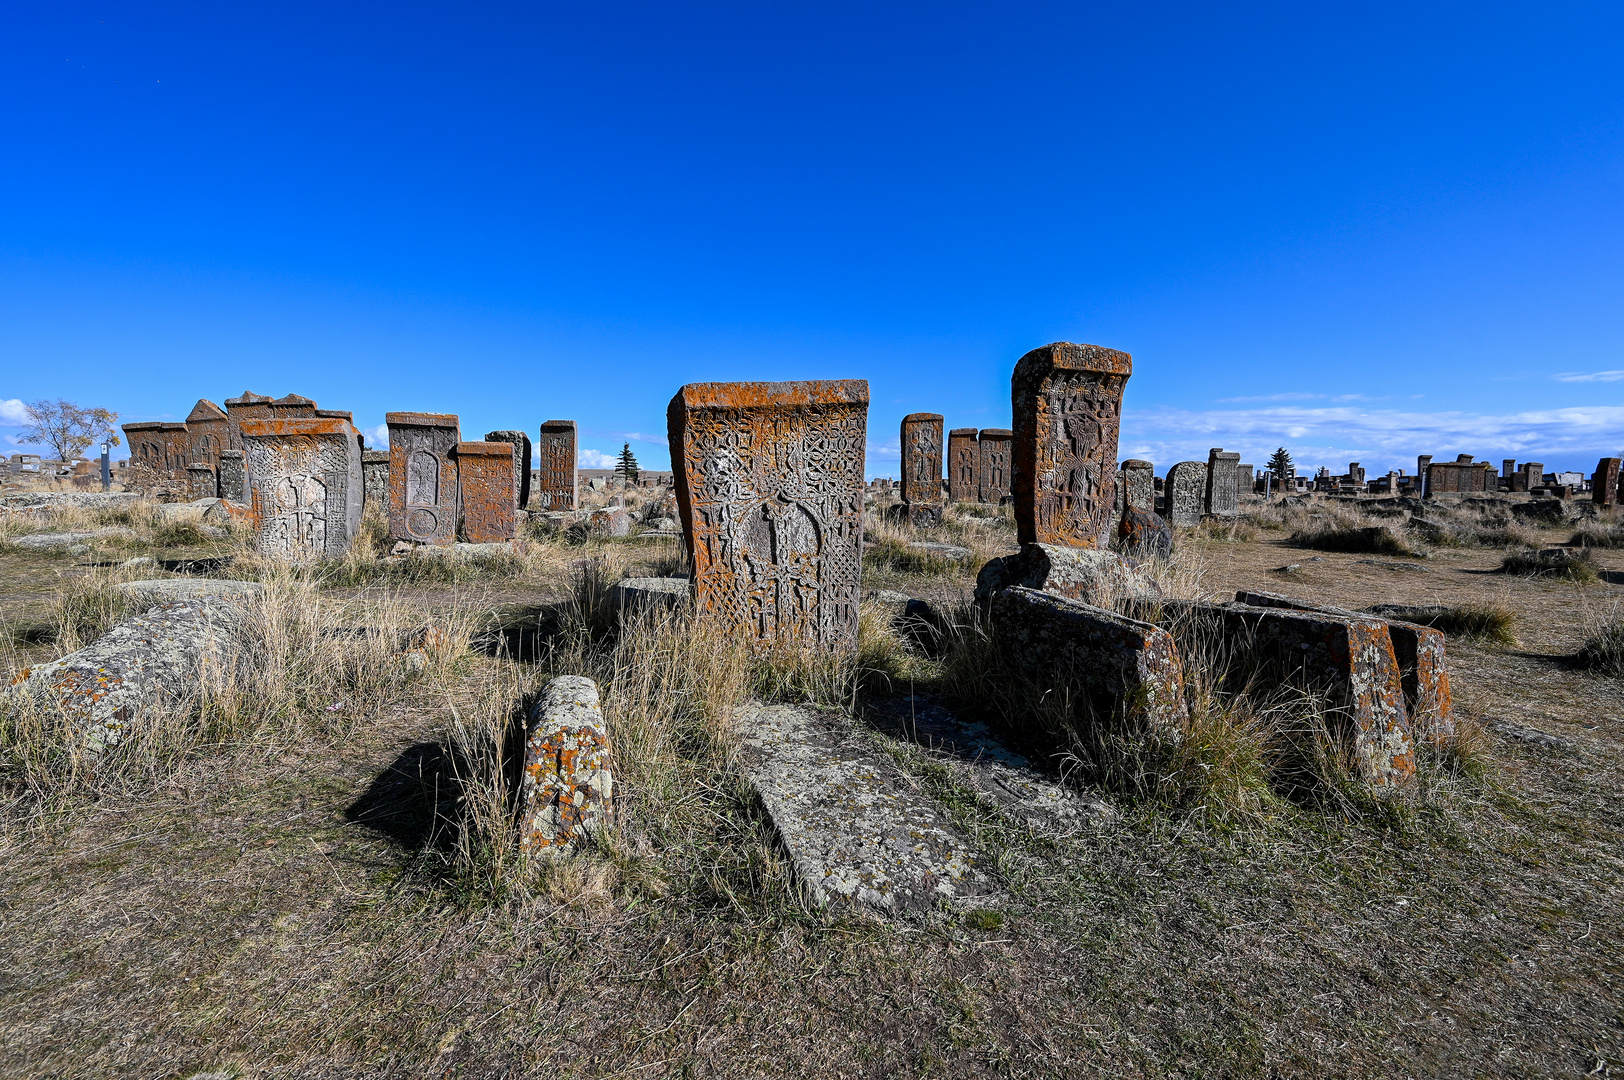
(85, 500)
(856, 829)
(66, 541)
(946, 551)
(147, 663)
(661, 592)
(165, 590)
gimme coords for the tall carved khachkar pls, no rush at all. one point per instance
(1139, 482)
(1223, 483)
(555, 475)
(963, 461)
(1604, 484)
(769, 484)
(922, 468)
(994, 467)
(485, 491)
(305, 486)
(521, 463)
(1185, 489)
(422, 477)
(1067, 401)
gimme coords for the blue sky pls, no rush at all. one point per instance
(1363, 231)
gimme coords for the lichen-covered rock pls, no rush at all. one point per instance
(66, 541)
(637, 594)
(611, 521)
(1421, 655)
(163, 590)
(150, 662)
(84, 500)
(567, 789)
(1348, 658)
(946, 551)
(1092, 575)
(857, 830)
(1144, 534)
(1126, 671)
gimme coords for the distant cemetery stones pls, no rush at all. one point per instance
(963, 461)
(422, 477)
(1244, 479)
(1223, 491)
(521, 463)
(769, 480)
(1604, 485)
(993, 469)
(922, 468)
(1067, 404)
(305, 477)
(233, 476)
(1185, 489)
(485, 492)
(556, 477)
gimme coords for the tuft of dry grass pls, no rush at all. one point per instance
(1574, 564)
(1598, 534)
(1236, 530)
(1356, 539)
(1603, 649)
(1482, 621)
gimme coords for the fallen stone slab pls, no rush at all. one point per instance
(85, 500)
(1408, 568)
(164, 590)
(1092, 575)
(888, 596)
(1531, 736)
(945, 551)
(1422, 659)
(567, 788)
(66, 541)
(1348, 659)
(1008, 780)
(1125, 672)
(856, 829)
(180, 511)
(641, 594)
(150, 662)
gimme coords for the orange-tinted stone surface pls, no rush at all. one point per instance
(963, 459)
(1604, 484)
(769, 480)
(567, 787)
(1067, 403)
(485, 491)
(521, 463)
(422, 477)
(995, 465)
(555, 471)
(305, 486)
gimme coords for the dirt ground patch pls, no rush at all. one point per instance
(264, 911)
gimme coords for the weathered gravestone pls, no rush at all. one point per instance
(963, 458)
(485, 491)
(422, 477)
(1604, 485)
(200, 482)
(768, 481)
(375, 479)
(208, 431)
(1139, 485)
(556, 476)
(922, 468)
(1531, 475)
(1245, 479)
(1223, 493)
(1186, 489)
(305, 486)
(567, 789)
(1508, 475)
(521, 463)
(1067, 402)
(161, 447)
(233, 475)
(993, 468)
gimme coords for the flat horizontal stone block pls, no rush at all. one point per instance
(567, 788)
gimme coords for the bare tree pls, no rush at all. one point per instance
(69, 429)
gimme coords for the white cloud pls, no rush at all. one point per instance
(377, 437)
(1270, 397)
(1589, 376)
(638, 436)
(592, 459)
(1377, 438)
(13, 412)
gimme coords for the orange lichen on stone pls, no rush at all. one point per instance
(567, 787)
(1067, 404)
(422, 477)
(485, 492)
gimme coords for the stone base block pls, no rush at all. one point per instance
(1092, 575)
(1123, 670)
(639, 594)
(567, 788)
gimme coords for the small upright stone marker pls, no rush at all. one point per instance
(521, 463)
(769, 481)
(567, 789)
(305, 477)
(1067, 402)
(1139, 482)
(375, 478)
(963, 459)
(1223, 494)
(201, 483)
(233, 476)
(1185, 489)
(485, 492)
(922, 468)
(1604, 485)
(422, 477)
(994, 468)
(556, 475)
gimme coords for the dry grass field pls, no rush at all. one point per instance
(308, 875)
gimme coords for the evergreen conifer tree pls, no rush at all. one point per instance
(627, 465)
(1280, 464)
